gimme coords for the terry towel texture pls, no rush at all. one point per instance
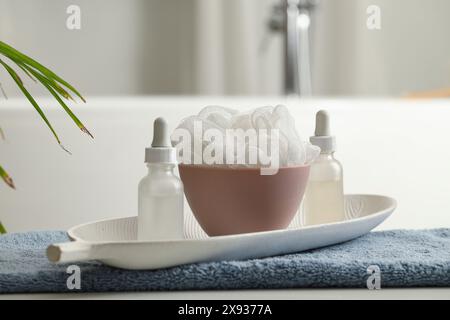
(406, 258)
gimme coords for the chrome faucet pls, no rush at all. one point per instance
(293, 18)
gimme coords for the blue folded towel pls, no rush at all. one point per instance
(406, 258)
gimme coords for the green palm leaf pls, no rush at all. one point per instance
(13, 53)
(57, 87)
(52, 82)
(2, 229)
(5, 176)
(54, 89)
(19, 83)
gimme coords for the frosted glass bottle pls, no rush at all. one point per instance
(160, 204)
(161, 196)
(324, 196)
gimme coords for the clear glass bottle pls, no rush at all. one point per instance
(324, 196)
(161, 196)
(160, 204)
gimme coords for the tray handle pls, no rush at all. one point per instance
(69, 252)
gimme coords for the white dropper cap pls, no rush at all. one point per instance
(322, 137)
(161, 150)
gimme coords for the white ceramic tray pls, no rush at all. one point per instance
(114, 241)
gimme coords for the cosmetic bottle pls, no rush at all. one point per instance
(324, 197)
(160, 203)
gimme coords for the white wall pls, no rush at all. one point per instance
(212, 46)
(411, 52)
(123, 47)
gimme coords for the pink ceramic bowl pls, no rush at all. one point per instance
(239, 200)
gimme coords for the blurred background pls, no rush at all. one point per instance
(235, 47)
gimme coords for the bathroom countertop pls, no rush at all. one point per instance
(390, 147)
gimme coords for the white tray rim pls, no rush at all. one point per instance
(387, 211)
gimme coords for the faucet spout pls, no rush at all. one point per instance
(295, 26)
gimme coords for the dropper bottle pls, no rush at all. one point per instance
(324, 197)
(161, 197)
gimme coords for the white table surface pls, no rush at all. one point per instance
(398, 148)
(285, 294)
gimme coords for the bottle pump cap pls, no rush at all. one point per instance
(161, 150)
(322, 137)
